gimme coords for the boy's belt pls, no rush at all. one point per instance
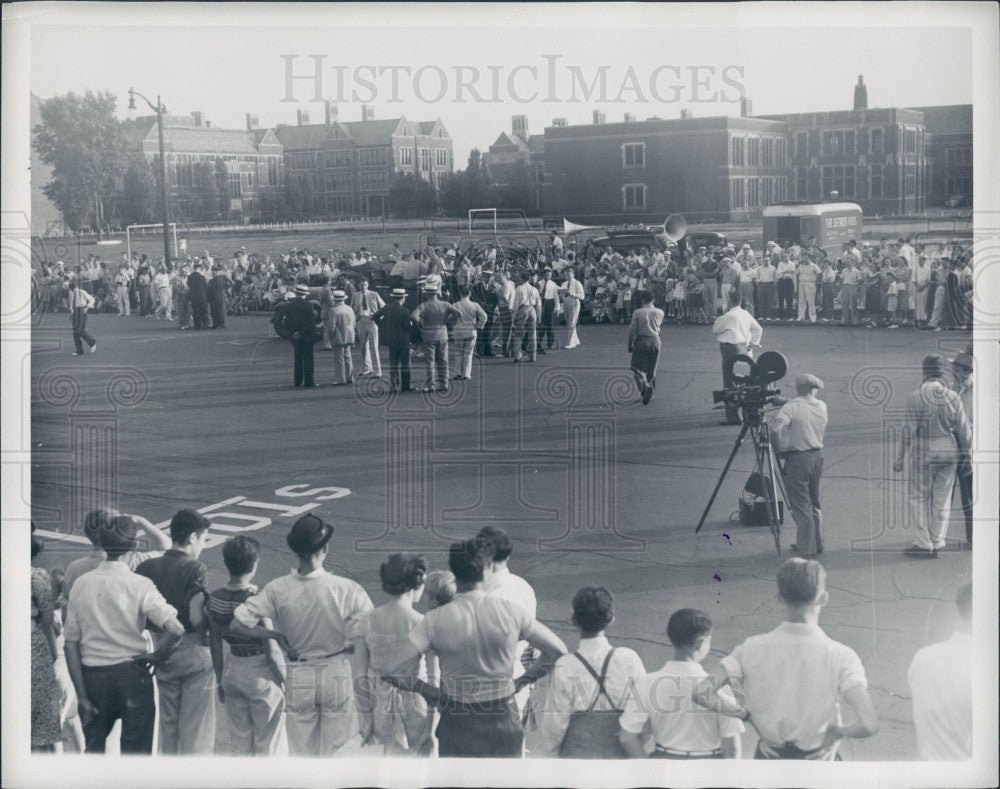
(689, 754)
(348, 650)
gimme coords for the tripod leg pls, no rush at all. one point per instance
(776, 481)
(765, 468)
(722, 476)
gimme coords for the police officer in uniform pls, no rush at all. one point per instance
(394, 322)
(198, 296)
(798, 430)
(302, 321)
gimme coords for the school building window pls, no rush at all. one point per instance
(838, 143)
(233, 183)
(301, 161)
(425, 159)
(633, 196)
(753, 152)
(910, 180)
(373, 181)
(877, 141)
(739, 192)
(781, 157)
(338, 158)
(372, 157)
(272, 170)
(337, 182)
(875, 180)
(801, 183)
(801, 145)
(441, 157)
(767, 153)
(406, 156)
(954, 156)
(185, 170)
(739, 151)
(958, 186)
(910, 141)
(634, 154)
(840, 179)
(780, 189)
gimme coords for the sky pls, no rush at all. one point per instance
(651, 67)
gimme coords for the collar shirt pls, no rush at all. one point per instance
(506, 292)
(432, 317)
(646, 322)
(95, 559)
(663, 699)
(830, 274)
(475, 637)
(935, 414)
(366, 304)
(906, 251)
(940, 680)
(808, 272)
(855, 253)
(80, 299)
(574, 288)
(793, 680)
(850, 276)
(178, 577)
(504, 585)
(737, 326)
(572, 688)
(547, 289)
(161, 280)
(786, 269)
(471, 318)
(312, 611)
(766, 272)
(922, 275)
(526, 295)
(800, 424)
(747, 275)
(107, 612)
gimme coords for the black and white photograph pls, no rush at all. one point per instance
(500, 394)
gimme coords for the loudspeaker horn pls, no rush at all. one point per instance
(571, 228)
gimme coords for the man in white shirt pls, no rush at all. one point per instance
(79, 302)
(921, 288)
(681, 729)
(548, 291)
(311, 610)
(108, 649)
(164, 298)
(572, 302)
(505, 291)
(502, 583)
(940, 680)
(644, 345)
(526, 308)
(737, 332)
(366, 303)
(794, 681)
(573, 686)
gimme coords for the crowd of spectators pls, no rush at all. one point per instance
(455, 662)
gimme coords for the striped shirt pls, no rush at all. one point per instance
(221, 604)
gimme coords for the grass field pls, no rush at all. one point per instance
(593, 487)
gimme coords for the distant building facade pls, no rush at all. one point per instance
(252, 158)
(949, 152)
(350, 165)
(515, 162)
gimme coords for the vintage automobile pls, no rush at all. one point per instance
(280, 319)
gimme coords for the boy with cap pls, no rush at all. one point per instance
(106, 643)
(342, 323)
(302, 321)
(394, 322)
(311, 610)
(798, 429)
(185, 680)
(794, 680)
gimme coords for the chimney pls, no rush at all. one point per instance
(197, 118)
(519, 126)
(599, 117)
(332, 114)
(303, 117)
(559, 122)
(746, 107)
(861, 94)
(367, 112)
(208, 124)
(253, 122)
(629, 117)
(686, 115)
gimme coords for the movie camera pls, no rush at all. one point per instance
(752, 380)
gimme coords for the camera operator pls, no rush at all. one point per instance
(798, 430)
(738, 333)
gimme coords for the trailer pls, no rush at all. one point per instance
(831, 224)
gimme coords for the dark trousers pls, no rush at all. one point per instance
(786, 290)
(645, 355)
(485, 729)
(199, 313)
(145, 302)
(729, 350)
(399, 367)
(483, 347)
(546, 331)
(120, 692)
(79, 321)
(788, 751)
(965, 491)
(303, 362)
(218, 308)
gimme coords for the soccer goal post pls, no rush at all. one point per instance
(141, 230)
(488, 212)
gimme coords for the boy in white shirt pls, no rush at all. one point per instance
(681, 729)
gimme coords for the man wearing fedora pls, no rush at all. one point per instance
(799, 427)
(342, 324)
(198, 296)
(217, 288)
(311, 610)
(432, 317)
(394, 321)
(302, 320)
(366, 303)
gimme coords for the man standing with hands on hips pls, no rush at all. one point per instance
(798, 429)
(738, 333)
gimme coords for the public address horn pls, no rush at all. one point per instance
(570, 228)
(675, 227)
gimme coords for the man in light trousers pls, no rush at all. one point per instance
(342, 325)
(366, 303)
(465, 332)
(936, 434)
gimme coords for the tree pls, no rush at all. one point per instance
(272, 205)
(452, 195)
(138, 196)
(475, 191)
(309, 199)
(86, 146)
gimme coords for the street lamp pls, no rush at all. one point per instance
(160, 111)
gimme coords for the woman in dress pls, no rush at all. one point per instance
(45, 694)
(396, 718)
